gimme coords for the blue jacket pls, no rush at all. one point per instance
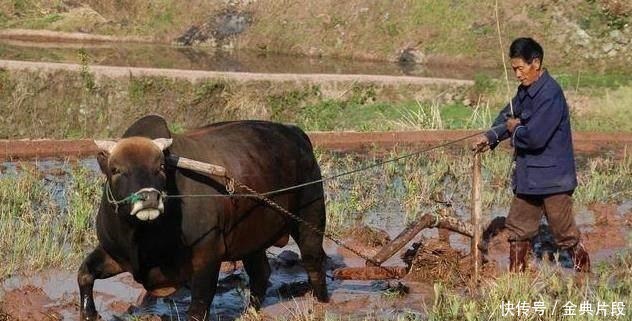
(543, 144)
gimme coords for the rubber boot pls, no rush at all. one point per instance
(518, 251)
(580, 258)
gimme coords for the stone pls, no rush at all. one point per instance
(411, 56)
(222, 26)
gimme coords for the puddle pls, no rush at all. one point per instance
(120, 298)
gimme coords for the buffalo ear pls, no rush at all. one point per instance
(102, 158)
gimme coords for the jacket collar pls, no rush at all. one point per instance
(534, 88)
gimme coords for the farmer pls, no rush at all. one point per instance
(544, 177)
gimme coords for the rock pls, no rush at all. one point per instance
(411, 56)
(582, 37)
(614, 34)
(607, 47)
(222, 26)
(288, 258)
(619, 37)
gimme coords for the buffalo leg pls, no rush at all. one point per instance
(310, 243)
(203, 287)
(98, 265)
(258, 269)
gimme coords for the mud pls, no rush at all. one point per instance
(583, 142)
(53, 295)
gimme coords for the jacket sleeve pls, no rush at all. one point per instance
(499, 131)
(541, 125)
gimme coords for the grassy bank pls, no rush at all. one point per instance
(80, 105)
(368, 30)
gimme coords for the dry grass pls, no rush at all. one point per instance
(77, 105)
(367, 30)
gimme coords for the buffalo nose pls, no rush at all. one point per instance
(150, 199)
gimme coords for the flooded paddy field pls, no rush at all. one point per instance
(177, 57)
(49, 208)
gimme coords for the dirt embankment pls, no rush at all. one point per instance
(584, 142)
(379, 30)
(195, 75)
(59, 36)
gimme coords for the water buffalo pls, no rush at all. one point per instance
(167, 242)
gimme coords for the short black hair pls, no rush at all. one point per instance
(527, 49)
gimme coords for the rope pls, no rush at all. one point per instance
(131, 199)
(324, 179)
(112, 200)
(314, 228)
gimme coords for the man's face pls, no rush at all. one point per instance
(526, 73)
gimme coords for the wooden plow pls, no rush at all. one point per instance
(443, 220)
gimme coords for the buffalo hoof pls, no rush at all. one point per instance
(89, 317)
(255, 302)
(322, 296)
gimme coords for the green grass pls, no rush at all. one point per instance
(412, 186)
(608, 110)
(588, 79)
(37, 232)
(611, 282)
(83, 105)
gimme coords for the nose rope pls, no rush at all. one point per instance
(131, 199)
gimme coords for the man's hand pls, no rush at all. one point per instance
(511, 124)
(481, 144)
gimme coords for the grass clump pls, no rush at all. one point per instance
(42, 228)
(550, 288)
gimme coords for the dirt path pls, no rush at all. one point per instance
(59, 36)
(196, 75)
(584, 142)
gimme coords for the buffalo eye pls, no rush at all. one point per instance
(160, 169)
(115, 170)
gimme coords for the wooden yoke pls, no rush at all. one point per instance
(186, 163)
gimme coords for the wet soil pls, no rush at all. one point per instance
(584, 142)
(53, 295)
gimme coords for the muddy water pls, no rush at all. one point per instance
(163, 56)
(119, 298)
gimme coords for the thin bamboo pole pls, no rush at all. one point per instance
(476, 214)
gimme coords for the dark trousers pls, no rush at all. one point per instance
(526, 212)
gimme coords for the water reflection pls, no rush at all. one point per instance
(164, 56)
